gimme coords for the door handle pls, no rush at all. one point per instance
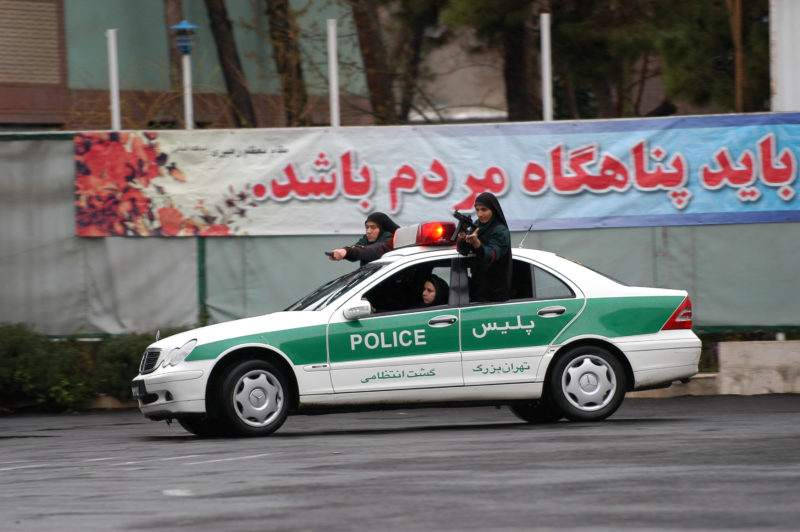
(552, 312)
(442, 321)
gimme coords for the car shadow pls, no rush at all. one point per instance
(461, 427)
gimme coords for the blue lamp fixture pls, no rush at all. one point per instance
(185, 33)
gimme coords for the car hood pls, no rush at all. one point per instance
(232, 329)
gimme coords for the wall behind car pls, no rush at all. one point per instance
(738, 275)
(60, 284)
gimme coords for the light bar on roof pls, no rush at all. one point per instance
(425, 234)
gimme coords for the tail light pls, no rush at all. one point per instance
(681, 318)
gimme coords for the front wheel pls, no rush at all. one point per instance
(254, 398)
(203, 427)
(587, 383)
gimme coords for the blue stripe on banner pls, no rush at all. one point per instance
(656, 220)
(566, 127)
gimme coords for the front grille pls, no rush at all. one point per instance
(149, 361)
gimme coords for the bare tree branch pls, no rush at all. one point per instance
(376, 64)
(232, 71)
(284, 36)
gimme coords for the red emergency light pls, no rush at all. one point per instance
(425, 234)
(435, 233)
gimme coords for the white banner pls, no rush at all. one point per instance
(675, 171)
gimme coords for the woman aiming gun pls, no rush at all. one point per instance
(376, 241)
(491, 244)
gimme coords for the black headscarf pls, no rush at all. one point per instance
(385, 224)
(487, 199)
(383, 221)
(442, 291)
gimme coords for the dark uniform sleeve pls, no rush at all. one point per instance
(496, 247)
(368, 253)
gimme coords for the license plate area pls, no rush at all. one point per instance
(138, 390)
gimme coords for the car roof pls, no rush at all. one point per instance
(538, 255)
(591, 282)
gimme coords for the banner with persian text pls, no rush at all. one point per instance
(557, 175)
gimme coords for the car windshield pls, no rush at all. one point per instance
(325, 294)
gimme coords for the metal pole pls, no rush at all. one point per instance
(784, 15)
(333, 73)
(188, 110)
(113, 78)
(547, 74)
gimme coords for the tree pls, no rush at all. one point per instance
(173, 14)
(235, 81)
(376, 63)
(734, 8)
(509, 26)
(604, 52)
(414, 18)
(701, 56)
(394, 36)
(284, 35)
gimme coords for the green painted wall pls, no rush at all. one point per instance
(143, 47)
(141, 41)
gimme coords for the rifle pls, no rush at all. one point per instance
(465, 224)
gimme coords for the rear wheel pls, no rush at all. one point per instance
(254, 398)
(587, 383)
(541, 411)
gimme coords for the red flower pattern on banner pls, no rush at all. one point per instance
(116, 176)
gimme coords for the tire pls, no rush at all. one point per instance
(537, 412)
(253, 398)
(203, 427)
(587, 383)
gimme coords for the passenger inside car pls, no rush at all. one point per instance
(403, 290)
(434, 291)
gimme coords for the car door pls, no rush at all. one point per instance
(400, 345)
(504, 342)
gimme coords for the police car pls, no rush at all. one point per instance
(569, 343)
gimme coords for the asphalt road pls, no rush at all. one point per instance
(699, 463)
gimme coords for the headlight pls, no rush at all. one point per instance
(178, 355)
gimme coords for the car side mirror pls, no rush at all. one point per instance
(357, 309)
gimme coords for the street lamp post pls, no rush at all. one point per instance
(185, 42)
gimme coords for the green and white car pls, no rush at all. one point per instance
(568, 344)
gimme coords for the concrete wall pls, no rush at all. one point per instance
(752, 368)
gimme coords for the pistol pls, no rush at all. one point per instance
(465, 223)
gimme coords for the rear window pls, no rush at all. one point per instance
(532, 282)
(548, 286)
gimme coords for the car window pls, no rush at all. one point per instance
(548, 286)
(403, 290)
(521, 285)
(322, 296)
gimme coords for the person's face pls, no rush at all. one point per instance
(428, 293)
(373, 231)
(484, 213)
